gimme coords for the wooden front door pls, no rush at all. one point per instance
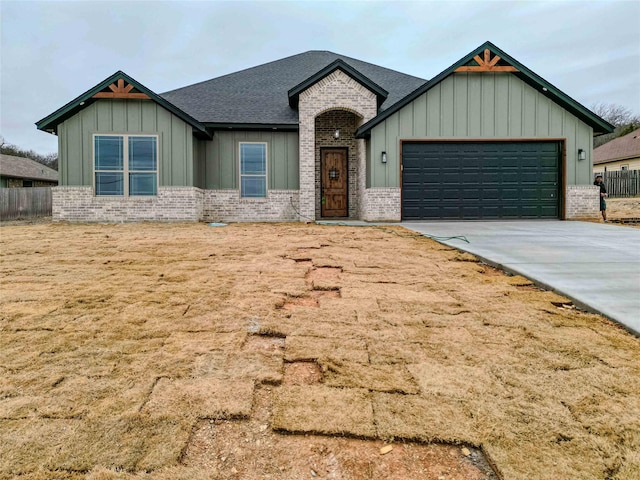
(334, 182)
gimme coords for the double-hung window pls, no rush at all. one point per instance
(126, 165)
(253, 170)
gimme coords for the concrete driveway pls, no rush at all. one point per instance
(595, 265)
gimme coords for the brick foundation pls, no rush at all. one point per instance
(78, 204)
(227, 206)
(180, 204)
(190, 204)
(381, 204)
(582, 201)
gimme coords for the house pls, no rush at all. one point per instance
(623, 153)
(321, 135)
(17, 172)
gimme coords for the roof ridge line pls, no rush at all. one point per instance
(240, 71)
(338, 55)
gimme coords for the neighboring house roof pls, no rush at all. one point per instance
(621, 148)
(260, 95)
(598, 124)
(20, 167)
(50, 122)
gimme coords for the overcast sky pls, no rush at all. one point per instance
(53, 51)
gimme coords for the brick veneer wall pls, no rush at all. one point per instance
(582, 201)
(336, 91)
(381, 204)
(326, 125)
(227, 206)
(78, 204)
(186, 204)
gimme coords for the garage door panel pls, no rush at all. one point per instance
(510, 194)
(510, 177)
(471, 194)
(529, 194)
(450, 193)
(476, 180)
(534, 178)
(451, 178)
(548, 178)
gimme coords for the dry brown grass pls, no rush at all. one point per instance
(116, 340)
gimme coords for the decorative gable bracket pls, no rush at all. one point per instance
(486, 64)
(120, 90)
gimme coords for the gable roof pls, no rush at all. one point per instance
(339, 64)
(627, 146)
(51, 122)
(260, 95)
(598, 124)
(20, 167)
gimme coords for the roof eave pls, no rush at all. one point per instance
(599, 125)
(29, 177)
(291, 127)
(617, 159)
(51, 122)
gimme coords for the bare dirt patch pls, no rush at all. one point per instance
(154, 350)
(623, 207)
(236, 450)
(302, 373)
(624, 212)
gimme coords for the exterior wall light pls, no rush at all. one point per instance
(582, 155)
(336, 134)
(384, 157)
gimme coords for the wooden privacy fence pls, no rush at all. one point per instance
(622, 183)
(24, 202)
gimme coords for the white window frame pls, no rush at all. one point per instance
(266, 171)
(125, 160)
(624, 168)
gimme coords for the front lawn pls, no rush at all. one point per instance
(123, 348)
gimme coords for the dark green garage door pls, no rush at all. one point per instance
(480, 180)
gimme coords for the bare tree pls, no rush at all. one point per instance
(619, 116)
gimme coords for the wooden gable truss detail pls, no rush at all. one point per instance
(120, 90)
(486, 64)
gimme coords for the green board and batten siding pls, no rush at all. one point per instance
(125, 116)
(478, 105)
(220, 159)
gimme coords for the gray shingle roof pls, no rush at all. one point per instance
(621, 148)
(19, 167)
(259, 94)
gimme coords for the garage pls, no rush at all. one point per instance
(472, 180)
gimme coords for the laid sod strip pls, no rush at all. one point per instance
(324, 410)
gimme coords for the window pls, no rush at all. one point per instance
(624, 167)
(253, 170)
(27, 183)
(126, 165)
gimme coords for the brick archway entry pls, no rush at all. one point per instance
(326, 124)
(335, 100)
